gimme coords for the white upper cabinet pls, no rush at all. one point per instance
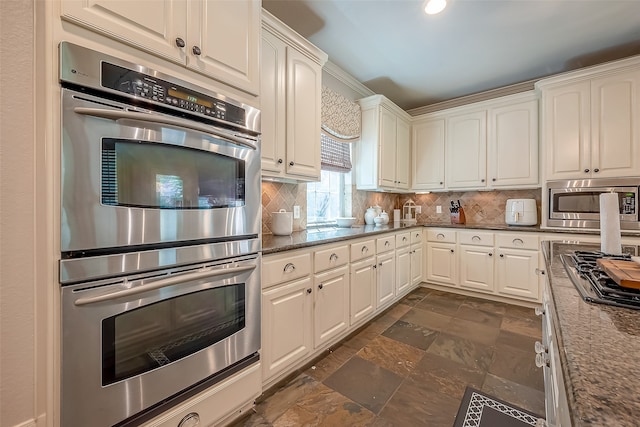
(466, 150)
(218, 39)
(591, 123)
(486, 145)
(291, 101)
(512, 145)
(382, 154)
(427, 154)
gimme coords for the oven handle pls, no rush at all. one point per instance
(174, 279)
(186, 124)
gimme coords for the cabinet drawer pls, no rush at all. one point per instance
(519, 241)
(439, 235)
(403, 239)
(386, 243)
(284, 269)
(477, 238)
(329, 258)
(362, 250)
(416, 236)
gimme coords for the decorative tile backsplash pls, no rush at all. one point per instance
(480, 207)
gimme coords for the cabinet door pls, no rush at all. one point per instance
(615, 124)
(513, 145)
(152, 26)
(403, 136)
(331, 311)
(403, 270)
(516, 274)
(427, 148)
(442, 263)
(273, 106)
(363, 289)
(287, 308)
(476, 268)
(567, 131)
(303, 116)
(386, 279)
(227, 34)
(416, 264)
(467, 150)
(387, 158)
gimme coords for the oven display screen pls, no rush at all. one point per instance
(149, 337)
(190, 98)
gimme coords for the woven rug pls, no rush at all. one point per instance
(478, 409)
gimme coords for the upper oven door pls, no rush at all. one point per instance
(134, 177)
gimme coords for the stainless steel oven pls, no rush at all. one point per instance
(148, 159)
(576, 203)
(160, 239)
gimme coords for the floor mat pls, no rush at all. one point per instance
(478, 409)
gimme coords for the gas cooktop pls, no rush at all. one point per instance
(593, 284)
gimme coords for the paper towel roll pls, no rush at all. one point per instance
(610, 239)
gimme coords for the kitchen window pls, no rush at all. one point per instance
(331, 197)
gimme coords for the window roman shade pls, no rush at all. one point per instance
(334, 156)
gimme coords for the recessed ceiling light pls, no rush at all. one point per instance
(435, 6)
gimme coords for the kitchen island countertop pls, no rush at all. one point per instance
(599, 347)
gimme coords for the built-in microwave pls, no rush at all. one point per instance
(576, 203)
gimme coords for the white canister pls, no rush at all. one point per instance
(369, 215)
(385, 217)
(282, 223)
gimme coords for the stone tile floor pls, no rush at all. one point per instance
(410, 367)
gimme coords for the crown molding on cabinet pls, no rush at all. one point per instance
(347, 79)
(476, 97)
(292, 38)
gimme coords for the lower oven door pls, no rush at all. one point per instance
(128, 344)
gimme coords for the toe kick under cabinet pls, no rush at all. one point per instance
(498, 264)
(314, 297)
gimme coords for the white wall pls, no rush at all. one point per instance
(17, 215)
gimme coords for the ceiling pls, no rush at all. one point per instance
(414, 59)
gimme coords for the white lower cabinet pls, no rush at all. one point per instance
(403, 270)
(504, 264)
(363, 289)
(442, 259)
(385, 279)
(286, 325)
(331, 304)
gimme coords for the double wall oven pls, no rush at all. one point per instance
(160, 239)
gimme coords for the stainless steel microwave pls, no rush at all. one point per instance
(576, 203)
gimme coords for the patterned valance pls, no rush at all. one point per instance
(340, 116)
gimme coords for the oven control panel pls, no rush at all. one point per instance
(154, 89)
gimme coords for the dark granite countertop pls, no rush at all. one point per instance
(598, 346)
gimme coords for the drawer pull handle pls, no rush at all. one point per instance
(190, 420)
(540, 272)
(417, 235)
(518, 242)
(387, 243)
(333, 257)
(440, 236)
(476, 238)
(289, 268)
(542, 360)
(540, 348)
(404, 239)
(364, 250)
(539, 311)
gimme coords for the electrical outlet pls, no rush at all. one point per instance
(438, 209)
(418, 209)
(296, 212)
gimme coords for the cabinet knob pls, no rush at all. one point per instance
(490, 254)
(493, 179)
(379, 264)
(501, 255)
(540, 348)
(482, 180)
(309, 290)
(596, 170)
(586, 171)
(279, 161)
(441, 183)
(291, 163)
(539, 311)
(451, 250)
(320, 286)
(542, 360)
(196, 50)
(180, 42)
